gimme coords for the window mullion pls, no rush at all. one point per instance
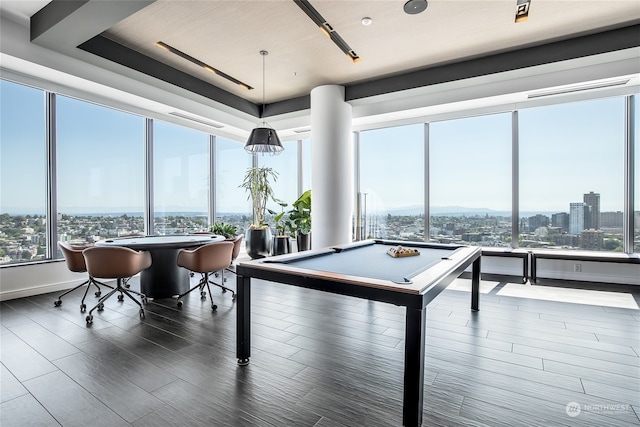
(52, 186)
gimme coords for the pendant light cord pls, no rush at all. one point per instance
(264, 53)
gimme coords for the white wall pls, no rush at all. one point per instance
(35, 279)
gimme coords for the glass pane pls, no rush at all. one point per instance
(571, 175)
(180, 179)
(100, 172)
(285, 187)
(23, 166)
(636, 133)
(470, 180)
(392, 183)
(232, 205)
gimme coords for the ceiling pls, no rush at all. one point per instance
(229, 35)
(397, 51)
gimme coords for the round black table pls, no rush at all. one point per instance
(164, 278)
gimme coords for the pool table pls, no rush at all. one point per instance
(364, 269)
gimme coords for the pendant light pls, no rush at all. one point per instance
(263, 139)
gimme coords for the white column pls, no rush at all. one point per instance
(331, 167)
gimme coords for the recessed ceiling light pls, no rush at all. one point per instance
(366, 21)
(413, 7)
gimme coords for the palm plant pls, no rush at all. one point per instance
(257, 182)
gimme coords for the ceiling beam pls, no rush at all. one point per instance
(594, 44)
(115, 52)
(65, 24)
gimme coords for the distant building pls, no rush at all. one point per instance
(576, 217)
(471, 237)
(566, 240)
(611, 219)
(592, 240)
(561, 221)
(538, 221)
(592, 211)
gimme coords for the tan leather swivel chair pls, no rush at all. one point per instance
(205, 259)
(116, 262)
(75, 262)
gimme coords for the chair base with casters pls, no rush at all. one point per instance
(74, 259)
(204, 260)
(116, 262)
(204, 281)
(224, 279)
(122, 288)
(88, 282)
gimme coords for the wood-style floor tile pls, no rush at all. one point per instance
(317, 360)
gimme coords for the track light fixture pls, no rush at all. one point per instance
(327, 29)
(199, 63)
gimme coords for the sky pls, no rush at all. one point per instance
(565, 151)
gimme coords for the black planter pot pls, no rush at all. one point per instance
(258, 242)
(303, 241)
(281, 245)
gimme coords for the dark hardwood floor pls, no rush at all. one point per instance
(318, 360)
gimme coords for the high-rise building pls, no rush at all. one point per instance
(576, 217)
(592, 213)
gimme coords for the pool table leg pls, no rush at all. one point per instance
(243, 319)
(475, 285)
(414, 348)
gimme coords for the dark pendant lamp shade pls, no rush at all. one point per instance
(263, 140)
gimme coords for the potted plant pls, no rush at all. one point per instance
(281, 242)
(257, 183)
(228, 231)
(300, 220)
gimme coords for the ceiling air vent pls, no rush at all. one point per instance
(577, 88)
(197, 120)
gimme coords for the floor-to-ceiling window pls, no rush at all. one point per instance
(100, 164)
(180, 179)
(232, 205)
(470, 180)
(572, 175)
(392, 183)
(23, 168)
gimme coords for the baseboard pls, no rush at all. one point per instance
(38, 290)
